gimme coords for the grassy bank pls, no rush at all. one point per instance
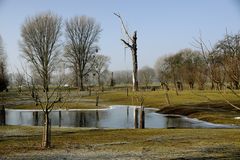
(206, 105)
(75, 143)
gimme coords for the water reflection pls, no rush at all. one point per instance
(114, 117)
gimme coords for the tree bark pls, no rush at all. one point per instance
(142, 118)
(236, 84)
(133, 47)
(76, 80)
(167, 98)
(59, 118)
(81, 83)
(212, 85)
(35, 118)
(99, 80)
(97, 99)
(46, 131)
(176, 88)
(136, 118)
(135, 62)
(2, 116)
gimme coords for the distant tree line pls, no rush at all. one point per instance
(218, 66)
(215, 67)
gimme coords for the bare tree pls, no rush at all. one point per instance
(146, 75)
(212, 60)
(189, 67)
(201, 73)
(3, 74)
(133, 46)
(40, 46)
(82, 34)
(101, 66)
(229, 50)
(217, 70)
(173, 67)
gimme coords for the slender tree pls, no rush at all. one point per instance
(82, 35)
(40, 46)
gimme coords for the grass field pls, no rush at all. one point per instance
(76, 143)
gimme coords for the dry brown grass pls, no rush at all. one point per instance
(78, 143)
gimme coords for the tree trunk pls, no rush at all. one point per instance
(112, 81)
(136, 118)
(142, 118)
(2, 116)
(167, 98)
(191, 85)
(97, 99)
(212, 86)
(45, 82)
(46, 131)
(81, 83)
(76, 75)
(89, 91)
(135, 63)
(99, 81)
(35, 118)
(236, 84)
(176, 88)
(59, 118)
(76, 80)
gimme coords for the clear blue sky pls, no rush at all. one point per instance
(163, 27)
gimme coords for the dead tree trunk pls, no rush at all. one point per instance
(136, 118)
(133, 47)
(142, 118)
(135, 63)
(59, 118)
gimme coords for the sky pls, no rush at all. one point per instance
(163, 27)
